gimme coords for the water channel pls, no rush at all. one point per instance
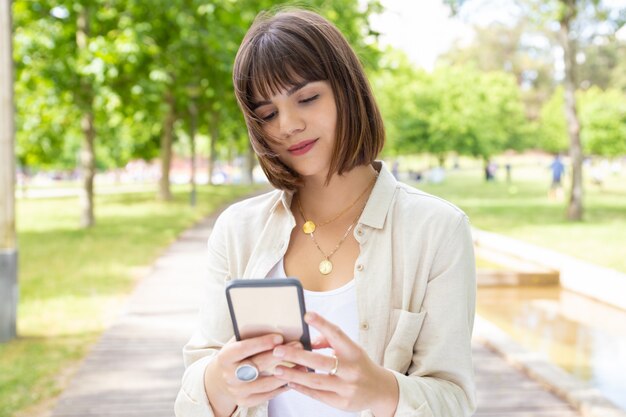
(584, 337)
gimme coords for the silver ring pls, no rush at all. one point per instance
(246, 372)
(334, 370)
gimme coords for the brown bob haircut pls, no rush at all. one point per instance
(292, 46)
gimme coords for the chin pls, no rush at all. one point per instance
(308, 168)
(313, 172)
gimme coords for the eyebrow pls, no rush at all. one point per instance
(290, 92)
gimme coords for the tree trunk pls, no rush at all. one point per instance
(167, 137)
(87, 157)
(215, 121)
(575, 208)
(8, 240)
(88, 169)
(193, 112)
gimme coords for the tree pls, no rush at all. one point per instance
(603, 123)
(8, 239)
(454, 109)
(57, 50)
(479, 114)
(569, 16)
(513, 49)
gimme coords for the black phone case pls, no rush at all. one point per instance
(270, 282)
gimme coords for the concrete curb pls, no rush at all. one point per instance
(587, 400)
(603, 284)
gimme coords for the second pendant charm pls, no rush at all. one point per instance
(326, 267)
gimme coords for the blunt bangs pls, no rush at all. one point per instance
(298, 63)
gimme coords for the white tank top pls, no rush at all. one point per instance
(338, 306)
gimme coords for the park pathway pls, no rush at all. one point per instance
(135, 369)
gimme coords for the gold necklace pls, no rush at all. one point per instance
(310, 226)
(326, 266)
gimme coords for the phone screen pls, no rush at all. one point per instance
(264, 306)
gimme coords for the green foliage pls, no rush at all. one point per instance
(454, 109)
(47, 134)
(603, 122)
(406, 102)
(137, 55)
(552, 132)
(480, 113)
(56, 82)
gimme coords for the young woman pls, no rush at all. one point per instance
(388, 270)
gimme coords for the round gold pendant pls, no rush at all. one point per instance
(326, 267)
(309, 227)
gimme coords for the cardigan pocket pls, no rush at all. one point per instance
(399, 350)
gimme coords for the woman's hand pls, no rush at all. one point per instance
(225, 391)
(358, 383)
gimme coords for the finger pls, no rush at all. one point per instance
(305, 358)
(266, 361)
(319, 382)
(337, 339)
(320, 343)
(245, 348)
(257, 399)
(261, 385)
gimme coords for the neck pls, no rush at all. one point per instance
(322, 200)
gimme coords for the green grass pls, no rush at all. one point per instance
(523, 210)
(72, 280)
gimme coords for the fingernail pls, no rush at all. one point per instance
(278, 339)
(309, 317)
(279, 352)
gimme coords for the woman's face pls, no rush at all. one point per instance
(303, 119)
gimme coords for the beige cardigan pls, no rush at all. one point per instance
(415, 283)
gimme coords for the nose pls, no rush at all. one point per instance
(291, 122)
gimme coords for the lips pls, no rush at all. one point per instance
(303, 147)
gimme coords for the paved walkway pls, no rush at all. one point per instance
(135, 369)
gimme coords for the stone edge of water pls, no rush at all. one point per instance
(589, 401)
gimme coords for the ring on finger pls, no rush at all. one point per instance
(246, 372)
(334, 370)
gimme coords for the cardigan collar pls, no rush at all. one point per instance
(381, 197)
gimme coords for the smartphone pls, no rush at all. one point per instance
(271, 305)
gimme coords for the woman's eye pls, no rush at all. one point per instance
(269, 117)
(310, 99)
